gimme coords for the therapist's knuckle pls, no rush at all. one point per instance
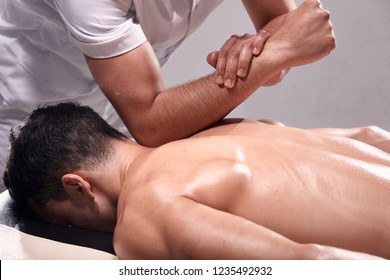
(246, 36)
(234, 54)
(248, 43)
(222, 54)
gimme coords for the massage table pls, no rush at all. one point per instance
(22, 236)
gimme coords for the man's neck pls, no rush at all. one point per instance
(125, 155)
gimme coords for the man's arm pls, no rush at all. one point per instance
(190, 230)
(371, 135)
(154, 115)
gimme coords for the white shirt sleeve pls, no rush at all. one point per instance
(101, 28)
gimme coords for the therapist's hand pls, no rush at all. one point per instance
(232, 61)
(304, 36)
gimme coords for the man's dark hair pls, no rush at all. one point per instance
(52, 141)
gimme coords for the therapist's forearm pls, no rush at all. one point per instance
(184, 110)
(305, 36)
(262, 12)
(155, 115)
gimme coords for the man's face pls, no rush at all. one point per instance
(54, 212)
(68, 213)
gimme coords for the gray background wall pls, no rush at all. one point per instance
(350, 87)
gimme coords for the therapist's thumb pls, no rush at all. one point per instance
(212, 58)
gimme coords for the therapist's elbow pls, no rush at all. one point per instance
(153, 129)
(149, 141)
(150, 136)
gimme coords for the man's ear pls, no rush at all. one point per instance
(77, 187)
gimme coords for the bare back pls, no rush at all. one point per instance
(306, 186)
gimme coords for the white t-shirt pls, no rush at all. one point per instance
(42, 42)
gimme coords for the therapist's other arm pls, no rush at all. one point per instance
(262, 12)
(154, 115)
(233, 59)
(266, 16)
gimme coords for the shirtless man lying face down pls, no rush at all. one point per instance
(239, 190)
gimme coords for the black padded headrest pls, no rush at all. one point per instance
(24, 221)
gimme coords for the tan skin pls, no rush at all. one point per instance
(240, 190)
(153, 114)
(233, 59)
(93, 195)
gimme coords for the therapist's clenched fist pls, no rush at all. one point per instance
(305, 35)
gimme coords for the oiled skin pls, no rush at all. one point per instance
(256, 194)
